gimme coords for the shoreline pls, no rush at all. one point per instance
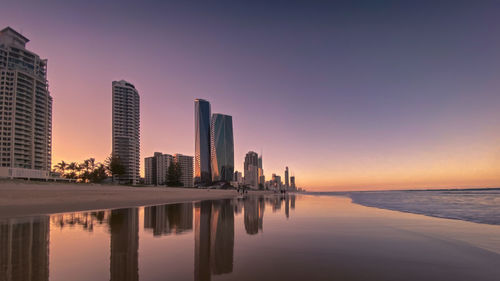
(21, 199)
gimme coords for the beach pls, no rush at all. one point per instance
(280, 237)
(37, 198)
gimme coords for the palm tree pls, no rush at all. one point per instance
(92, 163)
(61, 167)
(114, 166)
(74, 168)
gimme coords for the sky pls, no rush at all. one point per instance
(350, 95)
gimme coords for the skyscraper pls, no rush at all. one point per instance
(251, 169)
(292, 182)
(286, 178)
(126, 122)
(222, 145)
(26, 114)
(202, 167)
(262, 178)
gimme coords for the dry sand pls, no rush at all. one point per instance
(30, 198)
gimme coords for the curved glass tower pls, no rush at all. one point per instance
(222, 145)
(202, 170)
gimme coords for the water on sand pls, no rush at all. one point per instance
(255, 238)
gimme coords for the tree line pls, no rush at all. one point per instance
(89, 170)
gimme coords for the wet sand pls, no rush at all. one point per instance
(23, 199)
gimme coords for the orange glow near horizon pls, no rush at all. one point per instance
(414, 110)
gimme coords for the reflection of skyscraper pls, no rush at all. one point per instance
(214, 238)
(202, 168)
(287, 206)
(167, 219)
(276, 203)
(203, 214)
(222, 237)
(222, 145)
(251, 215)
(24, 249)
(292, 201)
(124, 228)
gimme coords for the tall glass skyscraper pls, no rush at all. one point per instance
(202, 169)
(222, 145)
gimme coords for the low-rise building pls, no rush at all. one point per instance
(186, 165)
(156, 168)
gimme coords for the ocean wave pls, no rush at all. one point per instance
(481, 206)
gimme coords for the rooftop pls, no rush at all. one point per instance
(9, 31)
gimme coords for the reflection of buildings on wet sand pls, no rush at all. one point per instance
(86, 220)
(124, 228)
(167, 219)
(24, 249)
(287, 206)
(254, 214)
(276, 202)
(214, 238)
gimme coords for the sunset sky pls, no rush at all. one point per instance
(348, 94)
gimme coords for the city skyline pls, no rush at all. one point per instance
(417, 111)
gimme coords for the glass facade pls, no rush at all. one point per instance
(222, 145)
(202, 170)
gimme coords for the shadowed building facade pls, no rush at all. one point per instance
(222, 145)
(26, 114)
(202, 169)
(126, 123)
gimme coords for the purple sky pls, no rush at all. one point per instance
(349, 95)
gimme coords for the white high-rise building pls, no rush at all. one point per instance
(126, 125)
(186, 165)
(156, 168)
(26, 111)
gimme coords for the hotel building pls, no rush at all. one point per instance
(251, 169)
(126, 124)
(25, 111)
(156, 168)
(186, 165)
